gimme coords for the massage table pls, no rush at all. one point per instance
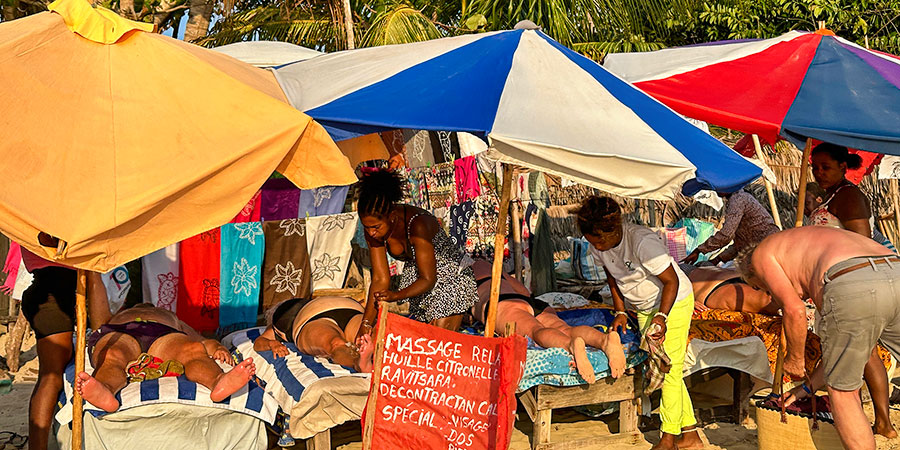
(169, 413)
(313, 392)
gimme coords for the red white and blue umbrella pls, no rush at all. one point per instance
(799, 85)
(538, 103)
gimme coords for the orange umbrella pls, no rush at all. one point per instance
(120, 141)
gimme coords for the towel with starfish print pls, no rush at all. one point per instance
(243, 245)
(286, 272)
(328, 241)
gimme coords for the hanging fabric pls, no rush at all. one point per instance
(280, 200)
(328, 242)
(117, 283)
(322, 201)
(441, 186)
(250, 212)
(460, 217)
(243, 245)
(159, 277)
(468, 185)
(11, 267)
(418, 148)
(286, 271)
(198, 288)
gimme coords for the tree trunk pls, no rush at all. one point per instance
(348, 25)
(160, 18)
(198, 20)
(14, 344)
(126, 9)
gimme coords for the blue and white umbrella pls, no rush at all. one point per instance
(536, 102)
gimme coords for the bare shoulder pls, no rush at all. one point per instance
(423, 225)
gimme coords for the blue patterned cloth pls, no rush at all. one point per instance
(460, 217)
(323, 201)
(243, 245)
(551, 365)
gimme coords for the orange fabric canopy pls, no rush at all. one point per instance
(120, 141)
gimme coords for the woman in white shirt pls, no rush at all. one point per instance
(643, 276)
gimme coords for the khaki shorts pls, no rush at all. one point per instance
(859, 308)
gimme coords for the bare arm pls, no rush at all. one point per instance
(381, 281)
(851, 207)
(793, 310)
(268, 342)
(669, 293)
(97, 300)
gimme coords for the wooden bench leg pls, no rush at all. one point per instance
(740, 395)
(628, 415)
(542, 428)
(321, 441)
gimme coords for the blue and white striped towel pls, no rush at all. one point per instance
(250, 399)
(286, 378)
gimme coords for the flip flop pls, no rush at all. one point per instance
(14, 439)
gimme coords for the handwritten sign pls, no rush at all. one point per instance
(437, 389)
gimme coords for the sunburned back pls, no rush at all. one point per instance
(148, 313)
(806, 253)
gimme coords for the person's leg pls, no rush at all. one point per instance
(610, 343)
(200, 368)
(451, 323)
(850, 420)
(53, 352)
(111, 355)
(876, 380)
(676, 410)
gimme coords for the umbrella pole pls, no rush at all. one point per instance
(801, 196)
(491, 319)
(516, 219)
(769, 192)
(80, 328)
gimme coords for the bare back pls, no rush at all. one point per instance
(148, 313)
(804, 254)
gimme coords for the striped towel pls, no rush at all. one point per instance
(286, 378)
(250, 399)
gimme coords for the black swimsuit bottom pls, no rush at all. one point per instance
(538, 305)
(734, 280)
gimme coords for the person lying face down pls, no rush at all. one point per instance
(716, 288)
(147, 329)
(538, 320)
(323, 326)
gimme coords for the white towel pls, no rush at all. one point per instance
(160, 277)
(23, 280)
(328, 241)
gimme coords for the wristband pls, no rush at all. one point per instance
(663, 315)
(806, 388)
(621, 313)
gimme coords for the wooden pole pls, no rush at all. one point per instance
(80, 330)
(804, 169)
(516, 219)
(769, 191)
(376, 379)
(491, 320)
(778, 381)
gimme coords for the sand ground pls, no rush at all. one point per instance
(567, 424)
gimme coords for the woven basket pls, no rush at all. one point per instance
(796, 434)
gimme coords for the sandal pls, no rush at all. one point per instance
(10, 438)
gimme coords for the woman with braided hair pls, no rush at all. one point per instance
(436, 281)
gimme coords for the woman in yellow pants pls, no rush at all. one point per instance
(643, 276)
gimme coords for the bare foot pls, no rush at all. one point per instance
(666, 442)
(615, 353)
(229, 382)
(887, 431)
(96, 392)
(366, 349)
(689, 439)
(582, 364)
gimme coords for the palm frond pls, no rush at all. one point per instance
(399, 23)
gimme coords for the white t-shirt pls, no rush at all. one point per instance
(635, 264)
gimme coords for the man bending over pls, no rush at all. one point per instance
(851, 280)
(145, 328)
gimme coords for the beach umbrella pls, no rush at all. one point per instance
(538, 104)
(267, 53)
(120, 141)
(800, 86)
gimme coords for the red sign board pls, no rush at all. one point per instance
(437, 389)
